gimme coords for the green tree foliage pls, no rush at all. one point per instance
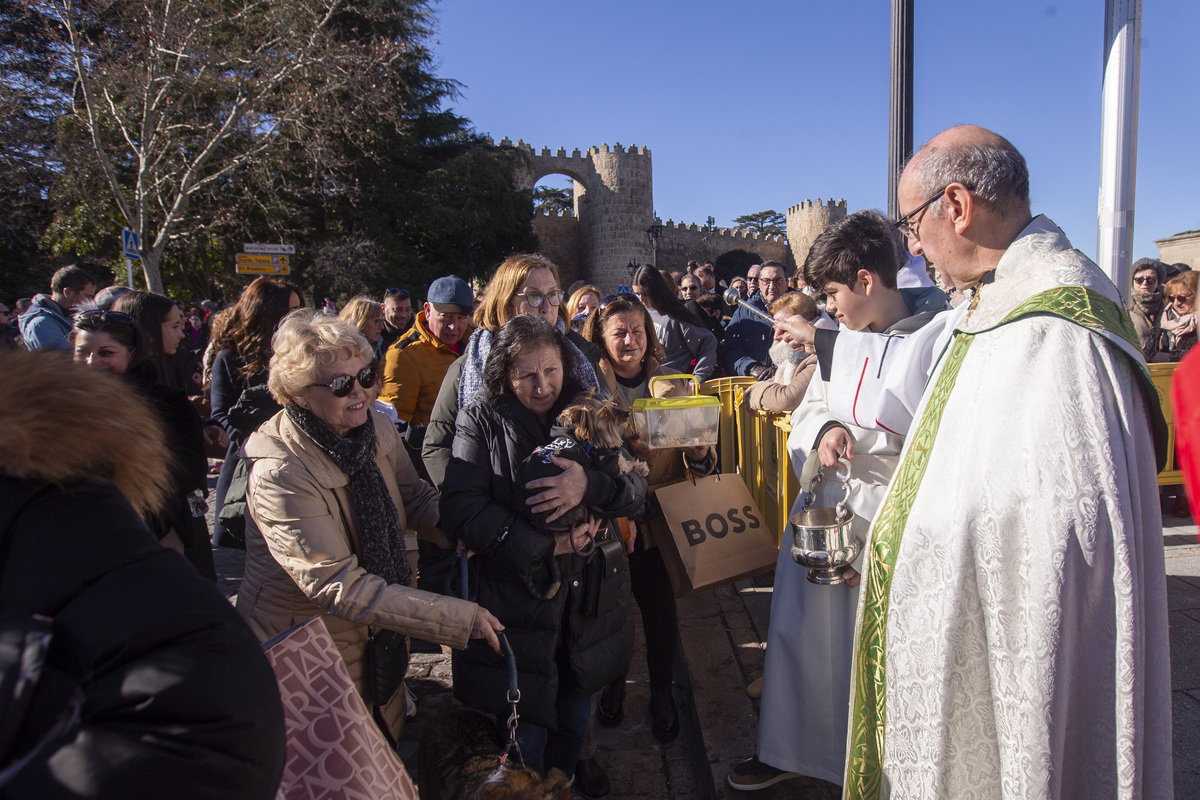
(770, 222)
(735, 263)
(203, 124)
(553, 199)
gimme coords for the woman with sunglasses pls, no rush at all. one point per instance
(332, 494)
(113, 341)
(1179, 319)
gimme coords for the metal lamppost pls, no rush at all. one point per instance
(652, 233)
(709, 227)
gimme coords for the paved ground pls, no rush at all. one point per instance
(724, 635)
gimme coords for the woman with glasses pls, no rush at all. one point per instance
(1179, 319)
(688, 345)
(332, 494)
(1146, 306)
(114, 342)
(239, 398)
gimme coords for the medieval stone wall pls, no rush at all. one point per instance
(680, 243)
(614, 207)
(806, 220)
(558, 240)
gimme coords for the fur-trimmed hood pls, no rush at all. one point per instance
(61, 422)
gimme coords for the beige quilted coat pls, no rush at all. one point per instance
(301, 565)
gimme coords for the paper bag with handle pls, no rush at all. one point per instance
(717, 533)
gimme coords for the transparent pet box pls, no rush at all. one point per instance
(680, 421)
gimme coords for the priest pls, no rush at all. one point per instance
(1012, 626)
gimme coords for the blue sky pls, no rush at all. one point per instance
(756, 105)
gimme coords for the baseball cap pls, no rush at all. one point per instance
(451, 295)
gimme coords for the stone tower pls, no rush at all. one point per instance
(614, 205)
(806, 220)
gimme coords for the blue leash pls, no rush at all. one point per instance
(514, 694)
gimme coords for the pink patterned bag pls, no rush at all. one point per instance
(334, 749)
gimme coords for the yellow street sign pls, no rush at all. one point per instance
(251, 264)
(250, 258)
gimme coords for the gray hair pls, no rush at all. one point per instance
(994, 171)
(306, 340)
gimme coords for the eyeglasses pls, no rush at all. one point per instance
(776, 281)
(904, 224)
(342, 385)
(98, 316)
(536, 298)
(691, 287)
(1187, 298)
(1146, 279)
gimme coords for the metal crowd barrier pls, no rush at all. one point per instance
(754, 443)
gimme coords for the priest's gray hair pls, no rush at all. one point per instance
(993, 170)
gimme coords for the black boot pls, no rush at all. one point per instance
(611, 708)
(591, 779)
(664, 719)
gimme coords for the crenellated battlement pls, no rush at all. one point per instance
(728, 233)
(808, 205)
(545, 152)
(550, 212)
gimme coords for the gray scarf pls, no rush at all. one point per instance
(379, 530)
(470, 384)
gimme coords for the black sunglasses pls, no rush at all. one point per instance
(98, 316)
(904, 224)
(342, 385)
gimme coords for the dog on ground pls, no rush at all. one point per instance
(459, 759)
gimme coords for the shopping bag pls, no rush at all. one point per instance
(717, 533)
(334, 749)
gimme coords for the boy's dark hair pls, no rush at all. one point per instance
(710, 303)
(864, 240)
(70, 277)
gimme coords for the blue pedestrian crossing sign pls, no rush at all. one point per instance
(130, 244)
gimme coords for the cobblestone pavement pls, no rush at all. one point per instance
(724, 633)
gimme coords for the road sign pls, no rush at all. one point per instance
(269, 249)
(130, 244)
(248, 264)
(623, 290)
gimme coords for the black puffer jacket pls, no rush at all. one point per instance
(480, 505)
(179, 700)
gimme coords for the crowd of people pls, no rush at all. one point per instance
(404, 475)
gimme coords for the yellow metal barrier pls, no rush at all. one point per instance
(756, 442)
(1161, 375)
(725, 389)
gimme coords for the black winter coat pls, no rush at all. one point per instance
(179, 701)
(481, 505)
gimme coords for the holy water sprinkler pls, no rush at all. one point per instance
(732, 298)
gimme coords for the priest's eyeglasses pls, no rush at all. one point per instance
(905, 223)
(342, 385)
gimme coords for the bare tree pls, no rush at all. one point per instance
(179, 99)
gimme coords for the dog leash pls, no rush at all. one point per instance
(514, 694)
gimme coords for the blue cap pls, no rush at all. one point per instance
(451, 295)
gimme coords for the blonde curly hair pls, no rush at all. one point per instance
(305, 340)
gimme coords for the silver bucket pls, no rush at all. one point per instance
(821, 537)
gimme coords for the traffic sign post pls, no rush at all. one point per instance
(269, 249)
(255, 264)
(131, 245)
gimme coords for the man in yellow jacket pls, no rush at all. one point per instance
(414, 366)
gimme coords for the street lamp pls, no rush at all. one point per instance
(652, 233)
(709, 227)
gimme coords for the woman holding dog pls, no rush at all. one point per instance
(624, 330)
(332, 492)
(563, 606)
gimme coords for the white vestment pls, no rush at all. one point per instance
(1012, 632)
(806, 675)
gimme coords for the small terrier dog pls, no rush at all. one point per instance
(594, 436)
(459, 759)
